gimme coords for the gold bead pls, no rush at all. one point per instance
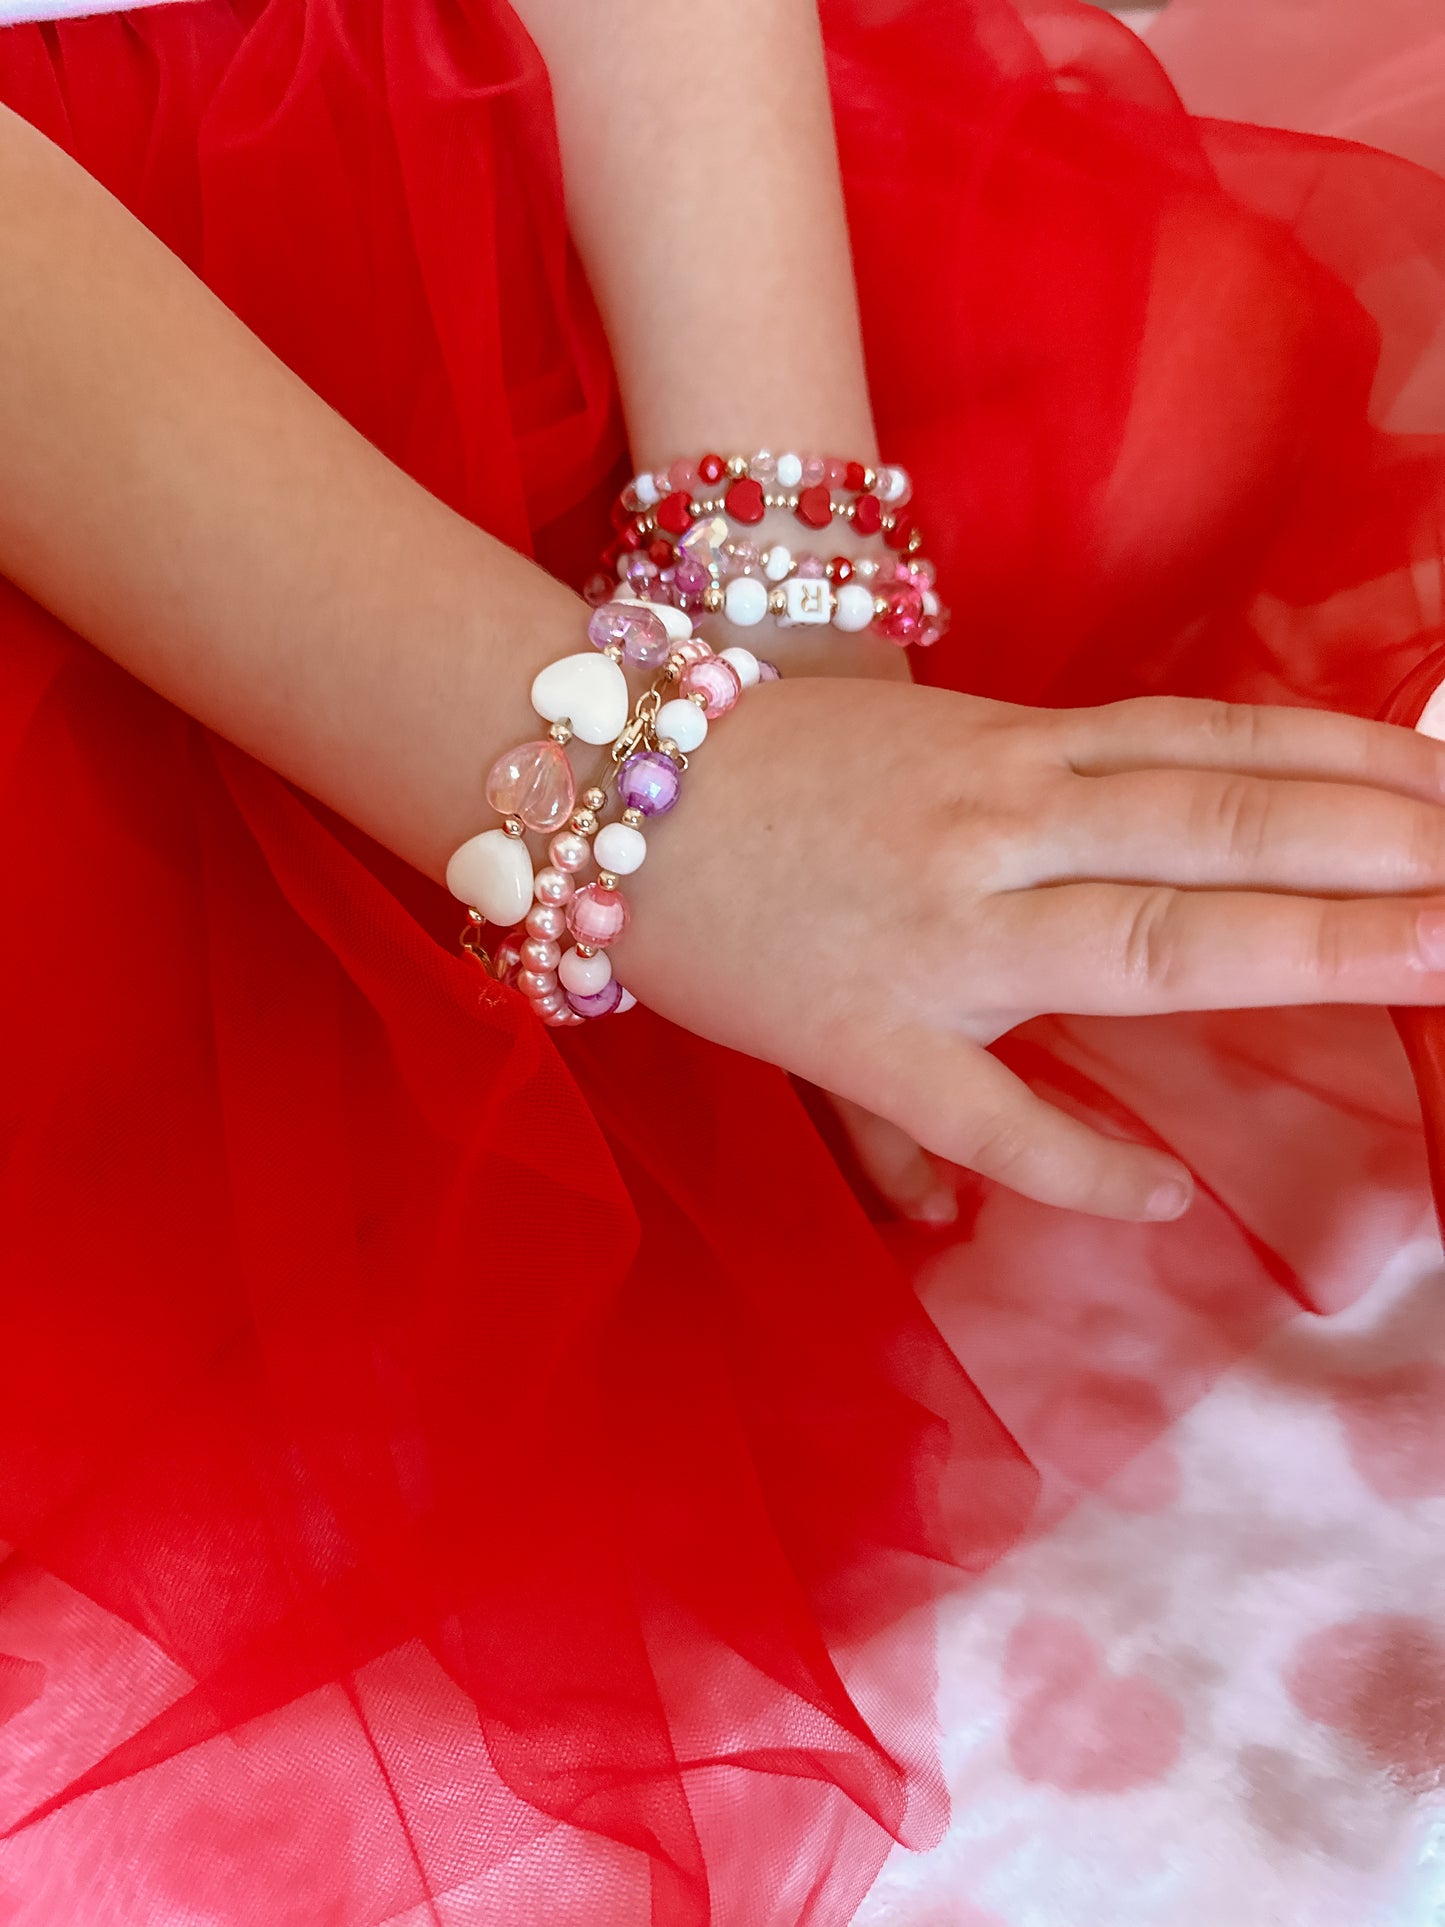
(870, 480)
(613, 652)
(561, 731)
(476, 916)
(849, 511)
(606, 879)
(915, 542)
(586, 950)
(634, 819)
(778, 602)
(593, 798)
(880, 606)
(712, 599)
(696, 696)
(514, 826)
(585, 823)
(737, 466)
(668, 747)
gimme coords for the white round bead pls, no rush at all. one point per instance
(677, 624)
(891, 483)
(930, 603)
(585, 975)
(619, 848)
(626, 1002)
(745, 601)
(647, 491)
(493, 873)
(684, 722)
(852, 607)
(777, 562)
(744, 662)
(589, 690)
(790, 471)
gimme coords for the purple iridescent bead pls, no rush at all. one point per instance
(649, 781)
(641, 634)
(597, 1003)
(769, 672)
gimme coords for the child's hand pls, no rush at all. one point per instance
(868, 883)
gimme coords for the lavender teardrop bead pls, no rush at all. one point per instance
(650, 782)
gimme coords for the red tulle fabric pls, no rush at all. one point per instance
(458, 1481)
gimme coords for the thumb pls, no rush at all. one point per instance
(961, 1103)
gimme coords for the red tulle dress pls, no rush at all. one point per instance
(368, 1561)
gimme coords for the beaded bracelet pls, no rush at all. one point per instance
(532, 788)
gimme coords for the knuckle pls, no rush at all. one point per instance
(1239, 815)
(1233, 727)
(997, 1146)
(1423, 846)
(1151, 941)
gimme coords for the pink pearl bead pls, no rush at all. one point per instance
(547, 920)
(552, 886)
(814, 471)
(714, 680)
(693, 650)
(563, 1019)
(836, 474)
(683, 475)
(567, 851)
(597, 916)
(537, 983)
(548, 1006)
(541, 953)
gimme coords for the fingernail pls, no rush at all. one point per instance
(1430, 936)
(1171, 1200)
(939, 1207)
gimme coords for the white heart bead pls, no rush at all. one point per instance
(589, 691)
(677, 625)
(493, 873)
(745, 601)
(853, 607)
(684, 722)
(744, 662)
(585, 975)
(777, 562)
(628, 1002)
(619, 848)
(790, 471)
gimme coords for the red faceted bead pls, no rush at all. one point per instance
(712, 468)
(744, 500)
(901, 534)
(841, 569)
(815, 506)
(661, 554)
(630, 538)
(867, 515)
(675, 513)
(620, 514)
(856, 477)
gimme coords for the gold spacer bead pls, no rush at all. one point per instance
(915, 542)
(593, 798)
(870, 480)
(668, 747)
(712, 599)
(613, 652)
(606, 879)
(476, 916)
(634, 819)
(561, 731)
(778, 602)
(586, 950)
(585, 823)
(737, 466)
(880, 606)
(696, 696)
(848, 511)
(514, 826)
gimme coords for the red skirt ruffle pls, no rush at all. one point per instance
(453, 1479)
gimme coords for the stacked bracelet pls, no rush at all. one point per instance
(675, 544)
(532, 787)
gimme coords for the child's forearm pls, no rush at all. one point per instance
(173, 492)
(702, 187)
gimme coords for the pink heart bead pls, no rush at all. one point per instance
(534, 781)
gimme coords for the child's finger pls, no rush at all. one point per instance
(896, 1167)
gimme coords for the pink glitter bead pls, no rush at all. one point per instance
(637, 572)
(641, 634)
(740, 558)
(684, 477)
(597, 916)
(815, 470)
(534, 781)
(812, 567)
(902, 621)
(769, 672)
(764, 468)
(835, 472)
(715, 680)
(598, 588)
(689, 577)
(703, 540)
